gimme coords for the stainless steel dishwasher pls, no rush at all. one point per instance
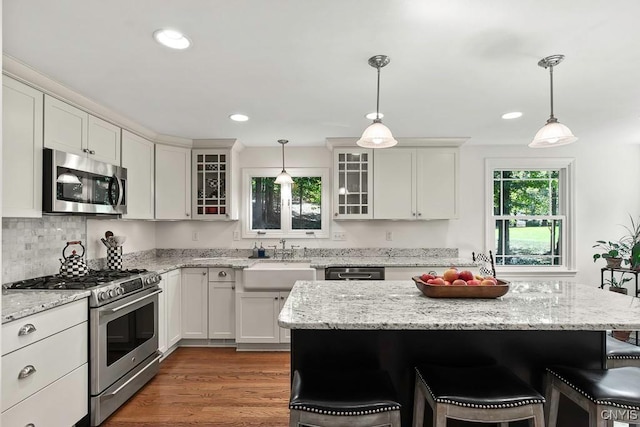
(354, 273)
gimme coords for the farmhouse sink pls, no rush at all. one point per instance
(276, 275)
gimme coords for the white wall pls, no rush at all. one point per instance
(606, 179)
(141, 235)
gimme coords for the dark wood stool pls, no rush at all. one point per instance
(343, 399)
(606, 394)
(487, 394)
(620, 353)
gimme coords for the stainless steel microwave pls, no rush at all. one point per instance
(75, 184)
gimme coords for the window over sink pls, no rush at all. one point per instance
(530, 225)
(298, 210)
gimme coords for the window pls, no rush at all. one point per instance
(531, 220)
(296, 210)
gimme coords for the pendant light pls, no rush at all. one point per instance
(283, 177)
(554, 133)
(377, 135)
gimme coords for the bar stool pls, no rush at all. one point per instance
(606, 394)
(620, 353)
(343, 399)
(487, 394)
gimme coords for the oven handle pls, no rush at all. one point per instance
(116, 391)
(113, 310)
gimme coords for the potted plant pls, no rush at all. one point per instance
(617, 286)
(612, 252)
(632, 242)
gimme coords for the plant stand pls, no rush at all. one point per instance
(622, 270)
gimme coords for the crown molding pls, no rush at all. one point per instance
(403, 142)
(34, 78)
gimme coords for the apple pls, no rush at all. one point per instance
(466, 275)
(459, 282)
(450, 275)
(447, 283)
(487, 282)
(473, 282)
(426, 277)
(437, 281)
(495, 281)
(478, 277)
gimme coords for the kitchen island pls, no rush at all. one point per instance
(390, 324)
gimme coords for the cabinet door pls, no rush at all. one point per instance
(162, 314)
(174, 305)
(173, 182)
(257, 314)
(195, 291)
(65, 127)
(211, 184)
(285, 334)
(222, 308)
(137, 157)
(394, 184)
(22, 108)
(353, 183)
(103, 141)
(437, 183)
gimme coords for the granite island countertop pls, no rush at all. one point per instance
(19, 304)
(399, 305)
(164, 264)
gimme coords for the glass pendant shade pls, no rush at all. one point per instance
(284, 178)
(376, 135)
(553, 134)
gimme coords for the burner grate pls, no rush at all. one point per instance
(93, 279)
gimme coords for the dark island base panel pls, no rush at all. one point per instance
(526, 353)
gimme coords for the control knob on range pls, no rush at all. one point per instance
(120, 291)
(112, 293)
(102, 296)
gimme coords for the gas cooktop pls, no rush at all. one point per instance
(93, 279)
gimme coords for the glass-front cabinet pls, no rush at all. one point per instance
(353, 183)
(211, 184)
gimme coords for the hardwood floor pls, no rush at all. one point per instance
(212, 387)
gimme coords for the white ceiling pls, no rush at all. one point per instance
(299, 68)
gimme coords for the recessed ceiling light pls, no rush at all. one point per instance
(372, 116)
(172, 38)
(512, 115)
(239, 117)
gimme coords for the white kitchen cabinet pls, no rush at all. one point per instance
(22, 129)
(173, 182)
(44, 364)
(222, 300)
(212, 183)
(195, 290)
(174, 307)
(285, 333)
(138, 157)
(69, 129)
(103, 141)
(352, 183)
(162, 314)
(257, 317)
(416, 183)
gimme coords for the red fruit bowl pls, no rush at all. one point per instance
(451, 291)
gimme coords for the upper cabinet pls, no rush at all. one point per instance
(22, 108)
(416, 183)
(138, 158)
(353, 183)
(72, 130)
(212, 184)
(173, 182)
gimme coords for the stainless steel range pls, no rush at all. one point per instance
(123, 332)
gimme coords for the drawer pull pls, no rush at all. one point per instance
(30, 425)
(26, 329)
(26, 372)
(222, 274)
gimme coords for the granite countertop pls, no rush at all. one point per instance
(19, 304)
(164, 264)
(396, 305)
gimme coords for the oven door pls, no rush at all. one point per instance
(123, 334)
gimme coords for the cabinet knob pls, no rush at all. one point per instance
(92, 152)
(233, 286)
(186, 214)
(26, 372)
(419, 214)
(204, 273)
(276, 298)
(335, 214)
(281, 297)
(26, 329)
(413, 214)
(85, 150)
(222, 274)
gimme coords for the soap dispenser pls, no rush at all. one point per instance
(261, 251)
(255, 250)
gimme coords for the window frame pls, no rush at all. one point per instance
(285, 196)
(566, 187)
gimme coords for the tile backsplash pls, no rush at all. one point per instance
(32, 247)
